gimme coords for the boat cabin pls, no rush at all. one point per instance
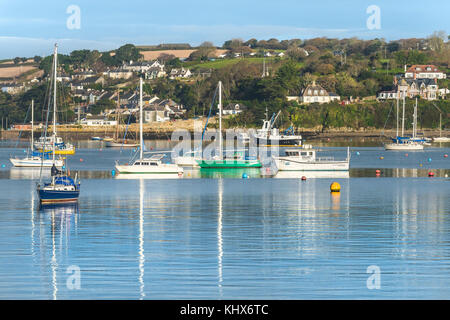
(152, 161)
(301, 153)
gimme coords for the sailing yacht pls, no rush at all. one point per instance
(440, 138)
(34, 158)
(237, 160)
(152, 165)
(116, 142)
(62, 188)
(402, 142)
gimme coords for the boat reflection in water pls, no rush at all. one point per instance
(28, 173)
(312, 174)
(155, 176)
(62, 217)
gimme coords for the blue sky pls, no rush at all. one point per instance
(29, 28)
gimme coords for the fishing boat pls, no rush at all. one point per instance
(116, 142)
(268, 135)
(62, 188)
(237, 160)
(151, 165)
(35, 158)
(306, 159)
(403, 142)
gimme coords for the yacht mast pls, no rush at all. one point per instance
(403, 117)
(32, 125)
(415, 120)
(55, 60)
(141, 136)
(220, 121)
(397, 113)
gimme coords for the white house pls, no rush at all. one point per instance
(180, 73)
(118, 74)
(316, 94)
(428, 71)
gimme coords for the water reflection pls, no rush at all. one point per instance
(61, 218)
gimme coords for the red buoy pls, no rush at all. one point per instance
(377, 171)
(445, 155)
(431, 174)
(303, 178)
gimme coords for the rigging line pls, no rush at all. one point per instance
(209, 113)
(125, 134)
(24, 121)
(50, 85)
(382, 132)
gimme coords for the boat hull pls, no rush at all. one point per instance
(36, 163)
(441, 139)
(228, 164)
(58, 196)
(67, 152)
(112, 144)
(286, 164)
(186, 161)
(144, 170)
(403, 146)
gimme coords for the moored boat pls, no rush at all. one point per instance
(305, 159)
(142, 165)
(62, 188)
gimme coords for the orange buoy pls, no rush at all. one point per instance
(406, 154)
(381, 158)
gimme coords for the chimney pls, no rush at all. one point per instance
(405, 67)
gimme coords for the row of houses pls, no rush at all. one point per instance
(418, 80)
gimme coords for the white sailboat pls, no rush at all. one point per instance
(152, 165)
(35, 159)
(116, 142)
(402, 142)
(440, 138)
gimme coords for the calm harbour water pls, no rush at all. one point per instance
(221, 237)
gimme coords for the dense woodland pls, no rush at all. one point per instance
(348, 67)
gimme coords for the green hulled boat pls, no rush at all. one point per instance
(228, 164)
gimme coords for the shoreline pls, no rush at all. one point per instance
(160, 133)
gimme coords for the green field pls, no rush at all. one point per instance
(221, 63)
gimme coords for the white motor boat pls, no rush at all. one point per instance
(306, 159)
(152, 165)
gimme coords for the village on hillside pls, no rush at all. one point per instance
(100, 88)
